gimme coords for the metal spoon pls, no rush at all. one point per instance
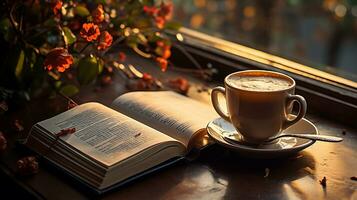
(325, 138)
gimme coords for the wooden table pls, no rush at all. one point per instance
(216, 174)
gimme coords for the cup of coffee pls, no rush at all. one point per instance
(259, 103)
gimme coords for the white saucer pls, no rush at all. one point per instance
(283, 147)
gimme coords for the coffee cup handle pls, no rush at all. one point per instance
(302, 109)
(215, 102)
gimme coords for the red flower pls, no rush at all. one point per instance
(147, 77)
(106, 80)
(122, 57)
(160, 43)
(146, 82)
(98, 14)
(162, 63)
(160, 15)
(109, 69)
(58, 58)
(56, 6)
(163, 50)
(166, 10)
(180, 84)
(150, 10)
(105, 40)
(167, 53)
(160, 22)
(89, 31)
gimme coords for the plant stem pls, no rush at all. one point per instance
(13, 22)
(45, 30)
(200, 72)
(191, 58)
(59, 27)
(17, 29)
(196, 71)
(84, 48)
(121, 38)
(66, 97)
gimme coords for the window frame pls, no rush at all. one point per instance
(322, 90)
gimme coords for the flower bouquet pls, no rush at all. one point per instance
(54, 46)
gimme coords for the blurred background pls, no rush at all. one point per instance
(318, 33)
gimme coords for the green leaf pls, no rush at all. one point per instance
(5, 28)
(20, 64)
(50, 22)
(32, 59)
(58, 84)
(5, 24)
(132, 41)
(142, 23)
(68, 36)
(173, 25)
(87, 70)
(159, 51)
(69, 90)
(100, 65)
(81, 11)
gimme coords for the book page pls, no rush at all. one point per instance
(104, 134)
(168, 112)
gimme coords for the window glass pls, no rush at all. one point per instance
(318, 33)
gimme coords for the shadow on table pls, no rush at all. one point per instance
(256, 178)
(217, 173)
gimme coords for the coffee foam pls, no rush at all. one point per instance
(259, 83)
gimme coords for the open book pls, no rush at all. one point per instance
(141, 130)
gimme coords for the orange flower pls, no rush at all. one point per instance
(166, 10)
(105, 40)
(162, 63)
(163, 49)
(179, 84)
(122, 57)
(167, 53)
(147, 77)
(58, 58)
(106, 80)
(56, 6)
(89, 31)
(160, 43)
(146, 82)
(98, 14)
(160, 22)
(150, 10)
(160, 14)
